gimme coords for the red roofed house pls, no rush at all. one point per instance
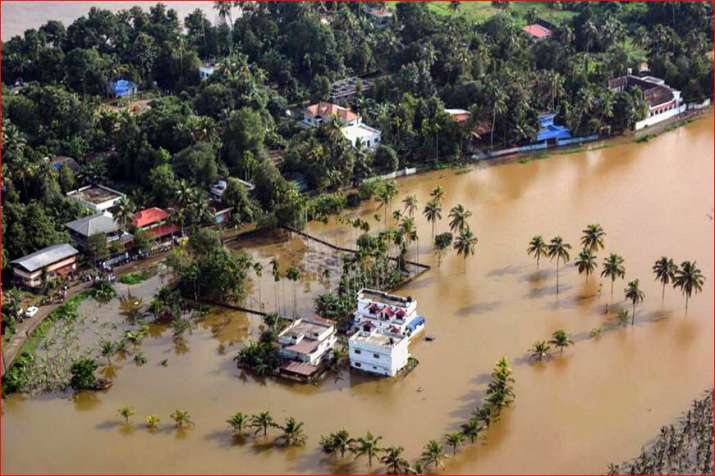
(317, 114)
(536, 31)
(155, 221)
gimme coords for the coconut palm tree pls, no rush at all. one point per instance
(559, 250)
(613, 268)
(592, 238)
(410, 204)
(152, 421)
(689, 279)
(537, 248)
(459, 217)
(182, 418)
(293, 434)
(454, 439)
(258, 269)
(433, 454)
(634, 295)
(261, 422)
(237, 422)
(125, 212)
(368, 445)
(337, 442)
(432, 212)
(623, 317)
(126, 412)
(437, 194)
(409, 231)
(540, 350)
(275, 271)
(664, 270)
(293, 274)
(471, 429)
(465, 244)
(561, 340)
(394, 461)
(586, 262)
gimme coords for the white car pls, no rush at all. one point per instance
(31, 311)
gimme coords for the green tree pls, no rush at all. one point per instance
(458, 218)
(613, 268)
(471, 429)
(432, 213)
(634, 295)
(261, 422)
(182, 418)
(592, 238)
(83, 377)
(537, 248)
(197, 163)
(441, 243)
(454, 439)
(540, 350)
(561, 340)
(368, 445)
(559, 250)
(237, 421)
(126, 413)
(107, 350)
(465, 244)
(586, 263)
(394, 461)
(293, 434)
(410, 205)
(664, 270)
(338, 442)
(433, 455)
(152, 422)
(689, 279)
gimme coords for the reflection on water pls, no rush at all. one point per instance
(598, 402)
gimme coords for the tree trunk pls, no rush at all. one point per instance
(633, 317)
(557, 276)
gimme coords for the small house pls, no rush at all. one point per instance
(663, 101)
(83, 229)
(537, 32)
(123, 88)
(35, 269)
(155, 221)
(98, 198)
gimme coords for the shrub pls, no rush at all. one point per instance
(83, 374)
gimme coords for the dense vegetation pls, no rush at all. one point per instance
(279, 55)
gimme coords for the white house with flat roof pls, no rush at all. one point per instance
(307, 340)
(369, 137)
(97, 198)
(388, 312)
(376, 351)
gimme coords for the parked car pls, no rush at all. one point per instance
(31, 311)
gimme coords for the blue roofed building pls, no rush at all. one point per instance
(123, 88)
(550, 132)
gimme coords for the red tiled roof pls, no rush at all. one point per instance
(300, 368)
(149, 217)
(537, 31)
(326, 109)
(163, 230)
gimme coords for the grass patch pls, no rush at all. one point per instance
(134, 278)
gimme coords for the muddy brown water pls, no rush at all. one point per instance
(597, 403)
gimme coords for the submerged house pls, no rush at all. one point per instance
(305, 344)
(549, 131)
(664, 102)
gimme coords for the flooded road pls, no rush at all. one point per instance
(597, 403)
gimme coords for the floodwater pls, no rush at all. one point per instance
(597, 403)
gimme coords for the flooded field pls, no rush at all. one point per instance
(597, 403)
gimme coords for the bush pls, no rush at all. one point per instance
(83, 374)
(386, 159)
(15, 379)
(133, 278)
(353, 200)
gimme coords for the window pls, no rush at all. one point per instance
(358, 364)
(357, 351)
(377, 356)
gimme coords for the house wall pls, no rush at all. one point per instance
(655, 118)
(34, 280)
(377, 359)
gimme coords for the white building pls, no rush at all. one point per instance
(379, 352)
(307, 340)
(98, 198)
(206, 71)
(663, 101)
(385, 324)
(352, 126)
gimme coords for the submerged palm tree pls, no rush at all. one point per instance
(181, 418)
(634, 295)
(432, 212)
(293, 434)
(540, 350)
(613, 268)
(237, 422)
(454, 439)
(592, 239)
(664, 270)
(561, 340)
(261, 422)
(586, 263)
(293, 274)
(394, 461)
(459, 217)
(559, 250)
(689, 279)
(126, 412)
(537, 248)
(433, 454)
(437, 194)
(465, 244)
(338, 442)
(410, 204)
(471, 429)
(368, 445)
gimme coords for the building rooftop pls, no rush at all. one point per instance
(537, 31)
(45, 257)
(384, 298)
(95, 194)
(376, 338)
(326, 109)
(359, 131)
(655, 90)
(89, 226)
(149, 216)
(303, 347)
(306, 328)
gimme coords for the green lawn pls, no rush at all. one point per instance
(480, 11)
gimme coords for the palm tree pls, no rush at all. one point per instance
(433, 454)
(559, 250)
(237, 421)
(293, 274)
(586, 262)
(634, 295)
(258, 269)
(181, 418)
(368, 445)
(454, 439)
(410, 204)
(471, 429)
(432, 212)
(276, 278)
(125, 211)
(458, 216)
(126, 412)
(561, 340)
(394, 461)
(409, 231)
(592, 239)
(689, 279)
(337, 442)
(152, 421)
(664, 270)
(537, 248)
(540, 350)
(465, 244)
(293, 434)
(613, 268)
(262, 422)
(437, 194)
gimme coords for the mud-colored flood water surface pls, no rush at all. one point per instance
(597, 403)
